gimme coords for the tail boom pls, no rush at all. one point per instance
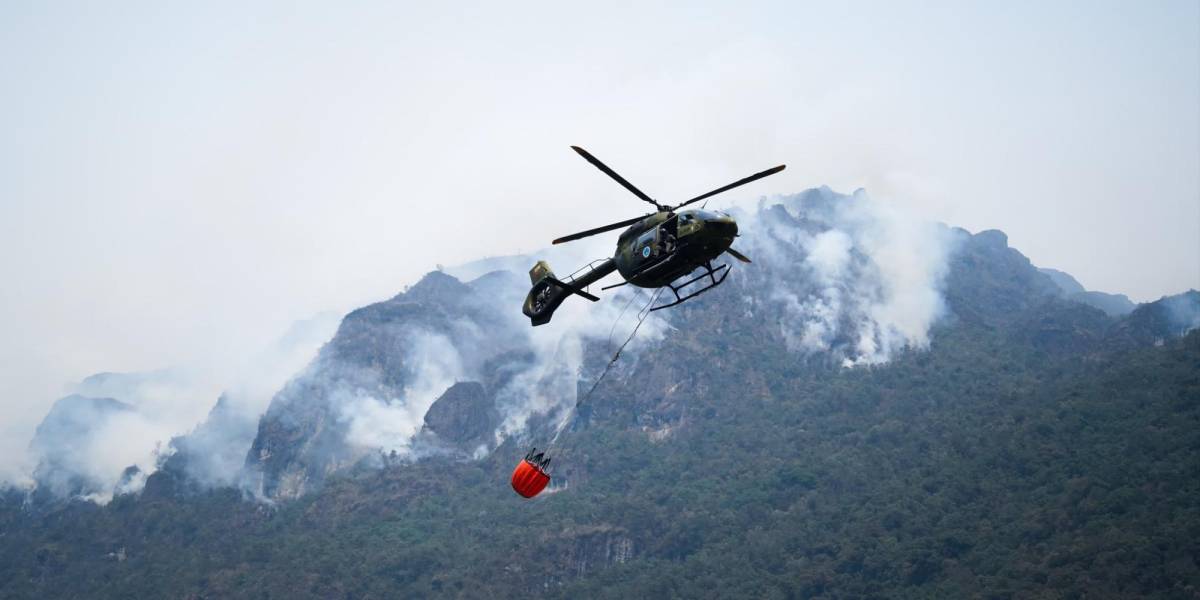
(548, 292)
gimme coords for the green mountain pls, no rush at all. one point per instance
(819, 427)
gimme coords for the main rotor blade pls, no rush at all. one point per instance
(583, 234)
(611, 173)
(754, 177)
(737, 255)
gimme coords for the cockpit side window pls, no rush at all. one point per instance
(688, 223)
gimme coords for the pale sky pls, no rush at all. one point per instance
(180, 181)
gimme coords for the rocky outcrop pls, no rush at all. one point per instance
(584, 549)
(464, 415)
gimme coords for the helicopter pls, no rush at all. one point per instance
(655, 251)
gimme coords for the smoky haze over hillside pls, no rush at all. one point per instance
(840, 279)
(850, 280)
(86, 442)
(180, 184)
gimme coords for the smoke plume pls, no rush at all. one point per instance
(853, 278)
(118, 428)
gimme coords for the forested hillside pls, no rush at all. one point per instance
(1035, 447)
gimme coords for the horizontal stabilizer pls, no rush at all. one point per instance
(572, 289)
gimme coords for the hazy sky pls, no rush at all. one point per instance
(180, 181)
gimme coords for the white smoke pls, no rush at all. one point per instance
(389, 423)
(85, 444)
(544, 375)
(113, 421)
(542, 367)
(854, 278)
(216, 450)
(1182, 311)
(118, 420)
(549, 384)
(554, 382)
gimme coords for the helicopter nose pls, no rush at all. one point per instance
(723, 226)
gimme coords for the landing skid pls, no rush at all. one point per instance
(709, 272)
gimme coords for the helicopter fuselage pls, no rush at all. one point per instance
(666, 246)
(658, 250)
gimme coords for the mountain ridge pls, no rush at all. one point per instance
(1025, 443)
(988, 282)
